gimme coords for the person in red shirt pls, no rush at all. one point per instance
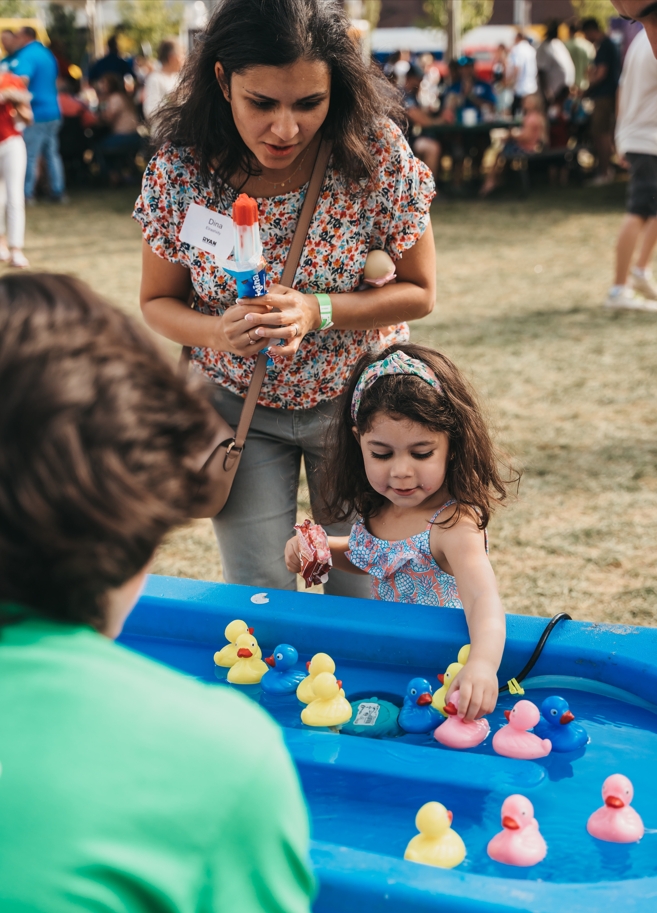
(71, 104)
(15, 112)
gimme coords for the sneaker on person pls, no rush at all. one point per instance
(19, 260)
(623, 297)
(642, 282)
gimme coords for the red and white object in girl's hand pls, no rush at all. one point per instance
(314, 553)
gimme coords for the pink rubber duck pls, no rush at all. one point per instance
(616, 822)
(456, 732)
(521, 842)
(513, 740)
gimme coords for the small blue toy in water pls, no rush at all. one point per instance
(417, 715)
(556, 724)
(281, 678)
(373, 718)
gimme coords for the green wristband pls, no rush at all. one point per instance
(325, 310)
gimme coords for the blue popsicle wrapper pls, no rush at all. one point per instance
(251, 280)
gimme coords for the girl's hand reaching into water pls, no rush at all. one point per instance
(478, 687)
(461, 550)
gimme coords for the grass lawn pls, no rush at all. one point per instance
(569, 386)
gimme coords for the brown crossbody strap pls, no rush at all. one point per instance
(287, 280)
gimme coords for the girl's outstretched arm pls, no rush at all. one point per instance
(338, 546)
(460, 550)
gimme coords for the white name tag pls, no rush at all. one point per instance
(367, 714)
(208, 230)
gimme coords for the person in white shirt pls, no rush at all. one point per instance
(636, 142)
(555, 65)
(522, 72)
(161, 82)
(582, 53)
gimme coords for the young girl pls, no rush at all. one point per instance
(411, 455)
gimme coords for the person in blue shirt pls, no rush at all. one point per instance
(112, 62)
(470, 92)
(37, 66)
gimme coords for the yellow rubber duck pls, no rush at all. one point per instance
(227, 656)
(321, 662)
(330, 707)
(249, 668)
(436, 844)
(464, 654)
(439, 698)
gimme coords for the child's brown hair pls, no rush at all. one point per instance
(473, 477)
(98, 443)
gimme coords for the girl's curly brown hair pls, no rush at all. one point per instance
(473, 470)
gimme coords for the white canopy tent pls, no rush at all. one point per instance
(415, 40)
(490, 36)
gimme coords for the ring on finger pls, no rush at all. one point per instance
(251, 340)
(296, 331)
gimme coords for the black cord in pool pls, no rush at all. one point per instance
(533, 659)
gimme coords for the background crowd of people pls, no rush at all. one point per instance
(528, 102)
(528, 105)
(57, 129)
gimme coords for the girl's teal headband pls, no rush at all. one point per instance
(397, 363)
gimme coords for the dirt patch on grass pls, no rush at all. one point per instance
(570, 387)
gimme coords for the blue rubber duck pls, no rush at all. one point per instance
(556, 724)
(281, 678)
(417, 715)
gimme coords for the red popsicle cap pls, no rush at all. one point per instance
(245, 210)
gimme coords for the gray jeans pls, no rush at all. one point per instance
(261, 511)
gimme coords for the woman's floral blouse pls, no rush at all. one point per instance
(391, 214)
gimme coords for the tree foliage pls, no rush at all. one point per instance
(372, 12)
(150, 21)
(602, 10)
(473, 13)
(62, 27)
(21, 9)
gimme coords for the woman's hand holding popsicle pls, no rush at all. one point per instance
(236, 334)
(290, 316)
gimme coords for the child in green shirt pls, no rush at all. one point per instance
(124, 786)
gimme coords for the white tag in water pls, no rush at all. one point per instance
(208, 230)
(367, 714)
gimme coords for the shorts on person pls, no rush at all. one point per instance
(603, 118)
(642, 189)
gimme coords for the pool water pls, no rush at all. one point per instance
(372, 808)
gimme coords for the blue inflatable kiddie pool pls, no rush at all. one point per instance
(363, 793)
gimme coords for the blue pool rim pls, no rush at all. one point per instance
(352, 880)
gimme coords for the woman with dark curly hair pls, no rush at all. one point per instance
(267, 82)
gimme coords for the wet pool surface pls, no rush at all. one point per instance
(374, 810)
